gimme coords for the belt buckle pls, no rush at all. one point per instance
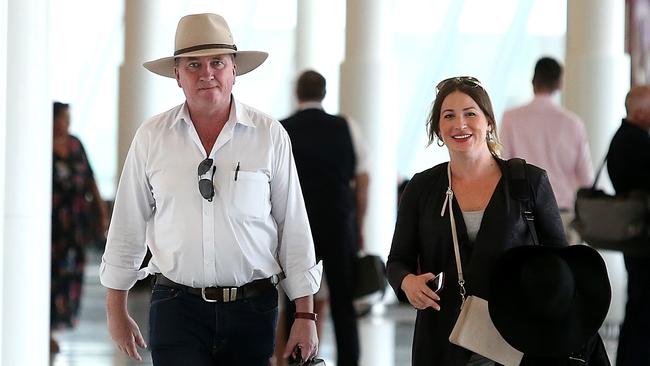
(229, 294)
(204, 297)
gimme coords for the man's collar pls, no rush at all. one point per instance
(182, 116)
(544, 96)
(310, 105)
(237, 114)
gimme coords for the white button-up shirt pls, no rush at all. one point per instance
(255, 227)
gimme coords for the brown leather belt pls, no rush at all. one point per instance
(250, 290)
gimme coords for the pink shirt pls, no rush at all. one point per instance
(552, 138)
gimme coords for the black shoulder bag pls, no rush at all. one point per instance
(618, 222)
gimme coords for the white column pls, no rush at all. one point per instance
(27, 187)
(597, 74)
(307, 25)
(137, 85)
(3, 142)
(362, 98)
(597, 77)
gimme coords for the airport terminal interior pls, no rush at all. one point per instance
(382, 60)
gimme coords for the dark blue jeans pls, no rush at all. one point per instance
(186, 330)
(634, 338)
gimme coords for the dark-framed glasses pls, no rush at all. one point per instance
(206, 186)
(465, 80)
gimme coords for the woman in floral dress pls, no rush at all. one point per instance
(78, 215)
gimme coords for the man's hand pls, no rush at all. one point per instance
(303, 331)
(303, 335)
(123, 329)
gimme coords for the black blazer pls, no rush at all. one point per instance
(422, 243)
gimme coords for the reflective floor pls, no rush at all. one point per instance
(386, 334)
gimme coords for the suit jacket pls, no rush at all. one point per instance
(422, 243)
(628, 159)
(325, 160)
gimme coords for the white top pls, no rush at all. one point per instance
(255, 227)
(552, 138)
(358, 143)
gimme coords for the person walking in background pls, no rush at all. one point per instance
(551, 137)
(210, 186)
(78, 215)
(489, 220)
(332, 165)
(628, 165)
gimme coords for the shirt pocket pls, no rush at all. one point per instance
(251, 194)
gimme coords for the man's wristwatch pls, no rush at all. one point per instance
(310, 316)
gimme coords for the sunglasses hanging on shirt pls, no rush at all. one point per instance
(206, 186)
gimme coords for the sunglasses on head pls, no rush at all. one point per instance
(206, 186)
(456, 80)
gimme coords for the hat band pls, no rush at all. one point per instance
(205, 47)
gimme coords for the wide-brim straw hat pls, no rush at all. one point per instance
(549, 301)
(205, 35)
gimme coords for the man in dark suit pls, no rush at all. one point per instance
(331, 163)
(628, 165)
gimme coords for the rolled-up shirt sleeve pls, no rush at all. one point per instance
(134, 206)
(295, 244)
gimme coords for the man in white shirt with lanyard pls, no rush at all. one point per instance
(211, 188)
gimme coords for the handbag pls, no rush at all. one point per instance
(619, 222)
(474, 329)
(369, 283)
(370, 276)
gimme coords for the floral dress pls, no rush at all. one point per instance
(72, 216)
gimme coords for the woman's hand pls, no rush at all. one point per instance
(418, 293)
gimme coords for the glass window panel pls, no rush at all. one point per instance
(480, 16)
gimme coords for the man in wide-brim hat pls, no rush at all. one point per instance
(549, 303)
(211, 188)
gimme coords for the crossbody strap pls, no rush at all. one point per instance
(600, 170)
(448, 204)
(520, 190)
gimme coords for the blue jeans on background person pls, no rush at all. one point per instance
(634, 338)
(186, 330)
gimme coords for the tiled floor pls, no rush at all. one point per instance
(386, 338)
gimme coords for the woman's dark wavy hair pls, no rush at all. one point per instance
(479, 95)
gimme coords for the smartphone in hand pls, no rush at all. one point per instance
(437, 283)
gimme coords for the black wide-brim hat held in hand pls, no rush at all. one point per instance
(549, 301)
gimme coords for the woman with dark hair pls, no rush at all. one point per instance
(78, 215)
(488, 220)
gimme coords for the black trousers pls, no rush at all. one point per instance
(186, 330)
(340, 279)
(634, 338)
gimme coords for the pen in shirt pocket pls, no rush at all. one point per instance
(236, 171)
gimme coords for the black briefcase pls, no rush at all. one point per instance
(370, 276)
(620, 222)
